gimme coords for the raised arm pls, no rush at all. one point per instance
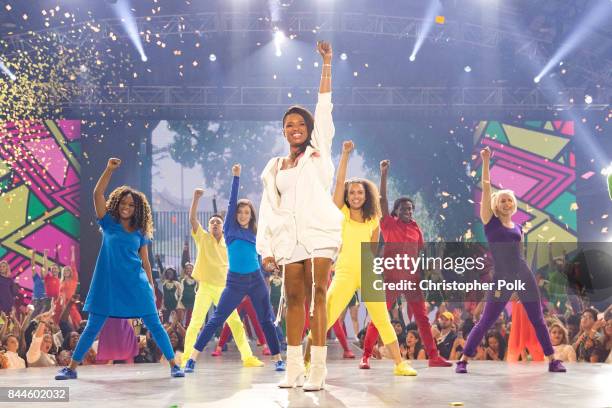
(485, 202)
(99, 200)
(193, 219)
(384, 202)
(230, 218)
(33, 263)
(45, 264)
(323, 132)
(347, 149)
(325, 50)
(73, 265)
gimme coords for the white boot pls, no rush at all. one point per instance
(318, 369)
(294, 375)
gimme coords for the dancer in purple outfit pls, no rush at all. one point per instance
(117, 341)
(505, 241)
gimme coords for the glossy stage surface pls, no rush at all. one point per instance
(223, 382)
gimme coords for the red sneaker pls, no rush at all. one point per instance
(348, 354)
(364, 364)
(266, 351)
(439, 361)
(217, 352)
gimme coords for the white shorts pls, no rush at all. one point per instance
(300, 253)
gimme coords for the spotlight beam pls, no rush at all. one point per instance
(7, 71)
(123, 12)
(597, 14)
(432, 11)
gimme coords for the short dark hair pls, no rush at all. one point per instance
(398, 202)
(215, 215)
(592, 311)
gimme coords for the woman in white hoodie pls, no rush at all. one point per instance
(300, 228)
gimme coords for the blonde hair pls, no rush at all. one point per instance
(496, 198)
(8, 267)
(63, 273)
(560, 326)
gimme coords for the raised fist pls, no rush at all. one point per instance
(113, 163)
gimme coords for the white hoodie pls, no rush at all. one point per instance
(316, 222)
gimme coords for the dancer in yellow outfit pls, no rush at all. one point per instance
(210, 270)
(358, 201)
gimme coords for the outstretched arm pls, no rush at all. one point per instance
(33, 263)
(45, 263)
(347, 148)
(384, 202)
(73, 265)
(99, 200)
(485, 203)
(193, 219)
(325, 50)
(232, 206)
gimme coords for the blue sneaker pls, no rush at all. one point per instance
(66, 373)
(190, 366)
(280, 366)
(176, 371)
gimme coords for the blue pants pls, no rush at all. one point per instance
(237, 287)
(95, 322)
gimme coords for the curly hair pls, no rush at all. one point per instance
(371, 205)
(253, 221)
(142, 219)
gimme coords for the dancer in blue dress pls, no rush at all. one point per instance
(122, 284)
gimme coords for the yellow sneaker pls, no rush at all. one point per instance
(252, 361)
(404, 368)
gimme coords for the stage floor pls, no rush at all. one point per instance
(222, 382)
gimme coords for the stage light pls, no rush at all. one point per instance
(433, 10)
(212, 57)
(7, 71)
(279, 39)
(588, 99)
(467, 68)
(537, 79)
(343, 56)
(121, 8)
(583, 28)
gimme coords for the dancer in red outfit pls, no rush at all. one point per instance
(68, 287)
(399, 227)
(246, 306)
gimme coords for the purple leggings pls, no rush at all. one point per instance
(496, 301)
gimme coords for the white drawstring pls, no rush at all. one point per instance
(279, 312)
(312, 297)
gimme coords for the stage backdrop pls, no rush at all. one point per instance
(39, 194)
(536, 160)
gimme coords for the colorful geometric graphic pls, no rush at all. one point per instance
(535, 159)
(39, 194)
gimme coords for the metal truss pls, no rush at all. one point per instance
(173, 97)
(592, 68)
